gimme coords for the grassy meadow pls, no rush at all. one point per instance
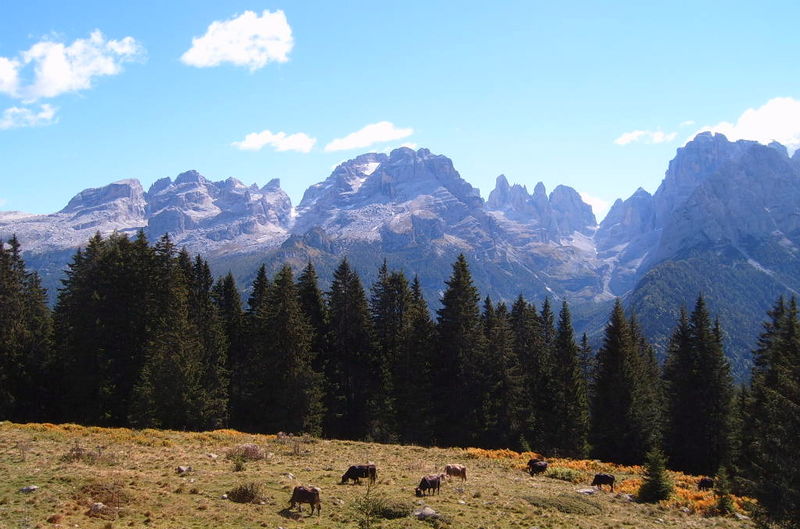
(132, 473)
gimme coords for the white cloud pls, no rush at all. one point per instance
(777, 120)
(16, 117)
(9, 76)
(244, 40)
(59, 68)
(687, 123)
(281, 141)
(599, 206)
(370, 134)
(645, 136)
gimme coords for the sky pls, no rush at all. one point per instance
(594, 95)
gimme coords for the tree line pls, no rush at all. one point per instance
(142, 335)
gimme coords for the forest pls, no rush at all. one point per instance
(142, 335)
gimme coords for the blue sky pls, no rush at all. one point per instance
(596, 95)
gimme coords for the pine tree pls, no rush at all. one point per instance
(772, 468)
(293, 401)
(501, 383)
(389, 306)
(572, 407)
(455, 366)
(205, 317)
(619, 431)
(248, 379)
(528, 348)
(312, 303)
(350, 369)
(413, 381)
(700, 395)
(545, 388)
(26, 345)
(657, 485)
(169, 391)
(228, 302)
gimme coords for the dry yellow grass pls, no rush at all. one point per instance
(136, 479)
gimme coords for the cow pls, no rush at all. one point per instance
(536, 466)
(429, 483)
(355, 472)
(603, 479)
(456, 471)
(705, 484)
(309, 495)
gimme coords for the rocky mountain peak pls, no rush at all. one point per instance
(124, 197)
(190, 177)
(571, 213)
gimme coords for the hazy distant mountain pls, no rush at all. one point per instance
(725, 221)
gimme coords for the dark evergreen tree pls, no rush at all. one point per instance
(700, 395)
(501, 417)
(530, 353)
(312, 303)
(169, 392)
(205, 317)
(772, 469)
(460, 345)
(225, 295)
(413, 382)
(571, 431)
(350, 367)
(389, 305)
(293, 398)
(618, 429)
(248, 378)
(657, 484)
(26, 387)
(104, 317)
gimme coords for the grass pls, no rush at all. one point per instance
(134, 478)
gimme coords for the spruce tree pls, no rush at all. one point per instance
(293, 400)
(657, 484)
(772, 468)
(501, 383)
(700, 395)
(389, 306)
(619, 431)
(455, 366)
(312, 303)
(528, 348)
(169, 391)
(413, 381)
(572, 407)
(228, 302)
(350, 367)
(205, 316)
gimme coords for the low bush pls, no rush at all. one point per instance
(565, 474)
(246, 493)
(246, 452)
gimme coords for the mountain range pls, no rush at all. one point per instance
(725, 221)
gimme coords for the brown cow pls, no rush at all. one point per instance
(536, 466)
(603, 479)
(429, 483)
(454, 470)
(309, 495)
(355, 472)
(705, 484)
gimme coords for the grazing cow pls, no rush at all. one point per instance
(429, 483)
(309, 495)
(603, 479)
(356, 472)
(705, 484)
(459, 471)
(536, 466)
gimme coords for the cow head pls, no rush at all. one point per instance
(418, 492)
